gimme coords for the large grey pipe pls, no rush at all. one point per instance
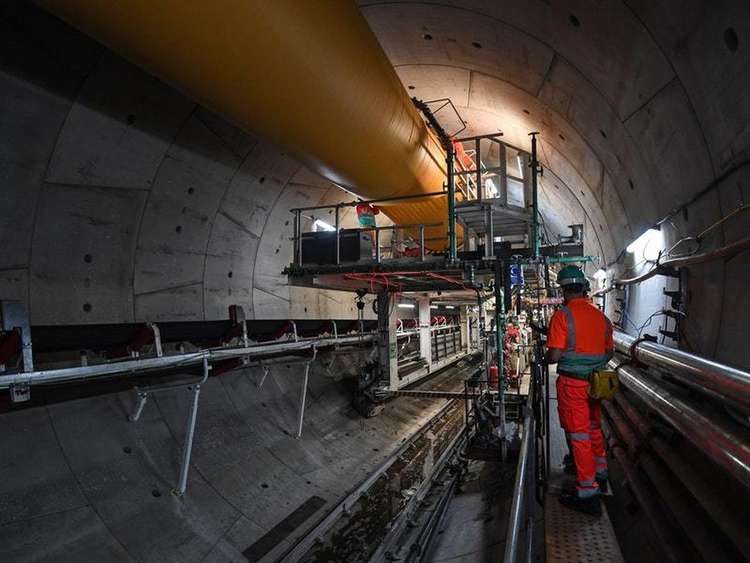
(710, 436)
(717, 379)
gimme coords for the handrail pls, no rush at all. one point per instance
(141, 365)
(519, 507)
(359, 202)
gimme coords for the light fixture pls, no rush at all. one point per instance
(600, 274)
(433, 306)
(637, 246)
(320, 225)
(449, 307)
(406, 305)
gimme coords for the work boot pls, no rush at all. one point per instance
(588, 505)
(569, 466)
(603, 482)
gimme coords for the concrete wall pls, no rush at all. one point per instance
(640, 106)
(122, 200)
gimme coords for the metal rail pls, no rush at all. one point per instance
(519, 510)
(310, 538)
(719, 379)
(142, 365)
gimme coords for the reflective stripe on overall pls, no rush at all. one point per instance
(577, 362)
(580, 416)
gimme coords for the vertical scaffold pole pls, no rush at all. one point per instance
(534, 196)
(499, 339)
(452, 256)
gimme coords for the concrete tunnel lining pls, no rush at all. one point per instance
(99, 158)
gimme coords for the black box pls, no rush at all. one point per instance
(320, 247)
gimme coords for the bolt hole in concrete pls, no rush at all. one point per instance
(178, 228)
(427, 37)
(261, 179)
(632, 187)
(127, 450)
(602, 133)
(264, 485)
(527, 112)
(88, 258)
(410, 87)
(561, 137)
(155, 493)
(87, 307)
(476, 44)
(131, 119)
(575, 21)
(191, 191)
(731, 39)
(230, 274)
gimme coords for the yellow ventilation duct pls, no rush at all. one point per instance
(308, 75)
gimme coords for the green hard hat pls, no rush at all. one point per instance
(571, 274)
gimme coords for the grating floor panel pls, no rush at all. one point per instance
(573, 536)
(569, 535)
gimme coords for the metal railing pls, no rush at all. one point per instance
(135, 366)
(528, 488)
(417, 229)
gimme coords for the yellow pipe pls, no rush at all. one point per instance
(308, 75)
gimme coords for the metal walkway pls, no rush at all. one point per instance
(570, 535)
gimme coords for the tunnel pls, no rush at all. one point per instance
(183, 379)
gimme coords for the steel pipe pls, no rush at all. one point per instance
(665, 266)
(519, 507)
(143, 365)
(670, 547)
(716, 378)
(719, 443)
(708, 494)
(681, 506)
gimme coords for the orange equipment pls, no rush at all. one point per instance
(333, 100)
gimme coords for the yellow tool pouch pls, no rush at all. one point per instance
(603, 384)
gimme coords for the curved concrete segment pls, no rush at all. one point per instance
(94, 486)
(124, 200)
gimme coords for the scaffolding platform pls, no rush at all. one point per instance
(492, 214)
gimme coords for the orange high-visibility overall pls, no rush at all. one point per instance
(584, 334)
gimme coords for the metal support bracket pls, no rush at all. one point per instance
(142, 399)
(266, 370)
(303, 393)
(14, 316)
(195, 388)
(20, 392)
(190, 434)
(157, 339)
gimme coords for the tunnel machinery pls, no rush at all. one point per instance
(206, 356)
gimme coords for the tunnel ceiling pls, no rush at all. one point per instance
(135, 202)
(636, 101)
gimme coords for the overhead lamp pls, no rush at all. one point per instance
(406, 305)
(320, 225)
(433, 306)
(640, 244)
(449, 307)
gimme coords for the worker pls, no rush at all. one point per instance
(580, 341)
(366, 214)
